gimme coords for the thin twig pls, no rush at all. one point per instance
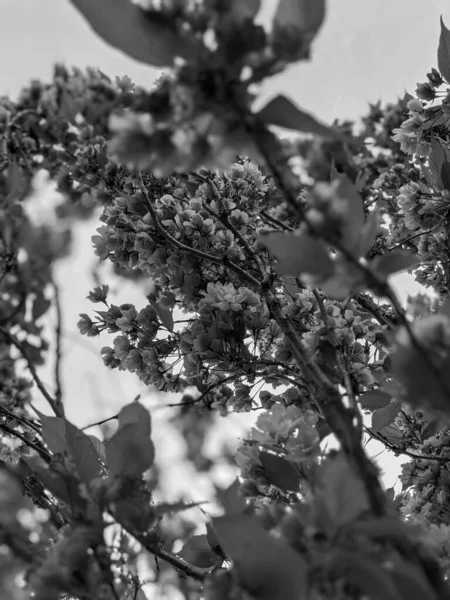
(12, 340)
(100, 422)
(58, 352)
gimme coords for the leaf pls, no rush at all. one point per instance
(130, 450)
(165, 315)
(83, 453)
(445, 175)
(99, 447)
(369, 578)
(394, 262)
(280, 111)
(384, 528)
(128, 453)
(245, 9)
(280, 472)
(385, 416)
(68, 108)
(374, 399)
(410, 581)
(213, 541)
(443, 53)
(148, 38)
(435, 161)
(392, 433)
(369, 232)
(353, 218)
(267, 569)
(306, 15)
(40, 307)
(197, 551)
(298, 254)
(54, 433)
(341, 496)
(230, 499)
(62, 486)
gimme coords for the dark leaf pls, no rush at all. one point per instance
(40, 307)
(443, 53)
(374, 399)
(244, 9)
(231, 500)
(445, 175)
(280, 472)
(62, 486)
(268, 569)
(431, 428)
(385, 416)
(306, 15)
(99, 447)
(371, 579)
(353, 218)
(340, 494)
(280, 111)
(197, 551)
(369, 232)
(395, 262)
(410, 581)
(148, 38)
(128, 453)
(54, 433)
(165, 315)
(83, 453)
(297, 254)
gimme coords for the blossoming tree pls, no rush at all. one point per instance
(270, 260)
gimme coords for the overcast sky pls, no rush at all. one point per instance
(365, 51)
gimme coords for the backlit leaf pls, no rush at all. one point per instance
(369, 577)
(197, 551)
(395, 262)
(128, 453)
(54, 433)
(280, 472)
(148, 38)
(385, 416)
(297, 254)
(83, 453)
(267, 569)
(374, 399)
(306, 15)
(280, 111)
(443, 54)
(244, 9)
(340, 495)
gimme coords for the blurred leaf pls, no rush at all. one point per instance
(54, 433)
(374, 399)
(410, 581)
(83, 453)
(298, 254)
(130, 450)
(62, 486)
(371, 579)
(40, 306)
(340, 495)
(129, 453)
(213, 541)
(148, 38)
(230, 499)
(267, 569)
(443, 53)
(353, 218)
(395, 262)
(306, 15)
(244, 9)
(68, 108)
(280, 111)
(197, 551)
(99, 447)
(392, 433)
(385, 416)
(369, 232)
(280, 472)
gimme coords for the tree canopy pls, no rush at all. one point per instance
(267, 239)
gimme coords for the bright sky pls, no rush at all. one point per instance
(365, 51)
